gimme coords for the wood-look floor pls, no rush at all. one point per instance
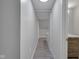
(42, 51)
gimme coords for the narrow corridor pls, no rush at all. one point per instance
(42, 50)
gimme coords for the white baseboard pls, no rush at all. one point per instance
(52, 55)
(34, 49)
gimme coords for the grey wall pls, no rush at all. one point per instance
(9, 29)
(29, 30)
(57, 41)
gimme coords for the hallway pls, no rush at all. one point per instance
(39, 29)
(42, 50)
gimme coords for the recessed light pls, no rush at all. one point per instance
(43, 0)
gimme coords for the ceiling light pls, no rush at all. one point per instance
(43, 0)
(23, 1)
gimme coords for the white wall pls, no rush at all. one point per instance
(76, 20)
(9, 29)
(29, 30)
(70, 21)
(57, 42)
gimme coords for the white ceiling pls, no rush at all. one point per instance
(38, 5)
(42, 10)
(73, 3)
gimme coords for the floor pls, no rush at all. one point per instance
(42, 51)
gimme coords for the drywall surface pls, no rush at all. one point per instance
(29, 30)
(9, 29)
(57, 42)
(71, 21)
(76, 21)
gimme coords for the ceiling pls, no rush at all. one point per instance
(73, 3)
(42, 11)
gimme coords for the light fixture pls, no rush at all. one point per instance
(43, 0)
(23, 1)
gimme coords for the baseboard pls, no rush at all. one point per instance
(52, 55)
(34, 49)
